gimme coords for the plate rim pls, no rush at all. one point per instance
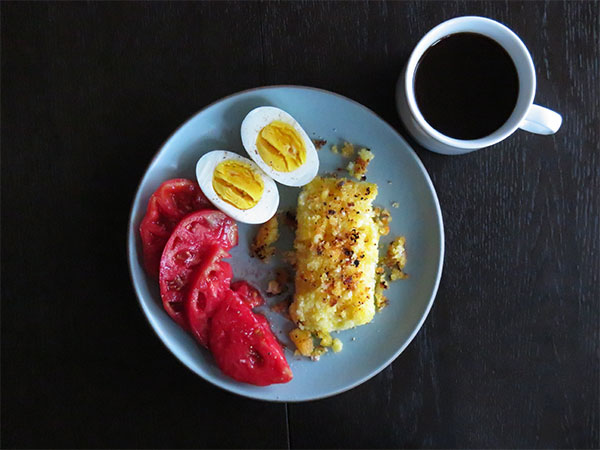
(378, 369)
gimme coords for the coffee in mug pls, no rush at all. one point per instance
(468, 84)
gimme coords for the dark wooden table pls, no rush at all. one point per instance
(509, 355)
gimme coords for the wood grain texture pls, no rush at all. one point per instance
(509, 356)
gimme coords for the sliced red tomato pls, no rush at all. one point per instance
(173, 200)
(248, 293)
(208, 285)
(244, 346)
(190, 242)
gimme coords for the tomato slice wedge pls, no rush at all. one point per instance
(244, 346)
(173, 200)
(248, 293)
(189, 244)
(208, 286)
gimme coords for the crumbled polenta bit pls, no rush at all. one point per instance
(317, 352)
(381, 301)
(358, 167)
(278, 284)
(334, 149)
(337, 345)
(289, 257)
(381, 284)
(382, 218)
(395, 204)
(395, 258)
(268, 233)
(397, 274)
(319, 143)
(303, 341)
(325, 337)
(347, 150)
(274, 288)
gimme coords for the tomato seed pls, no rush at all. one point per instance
(176, 284)
(254, 356)
(183, 256)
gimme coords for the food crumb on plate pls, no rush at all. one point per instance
(395, 258)
(326, 339)
(279, 284)
(337, 345)
(347, 150)
(274, 288)
(289, 257)
(262, 246)
(358, 167)
(319, 143)
(382, 218)
(303, 341)
(395, 205)
(381, 285)
(318, 352)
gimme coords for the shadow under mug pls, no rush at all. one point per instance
(526, 115)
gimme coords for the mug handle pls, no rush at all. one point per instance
(540, 120)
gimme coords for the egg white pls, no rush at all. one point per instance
(259, 118)
(259, 213)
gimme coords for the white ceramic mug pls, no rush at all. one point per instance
(526, 115)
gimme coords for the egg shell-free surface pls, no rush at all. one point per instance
(335, 118)
(259, 213)
(259, 118)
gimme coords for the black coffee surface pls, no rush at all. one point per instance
(466, 86)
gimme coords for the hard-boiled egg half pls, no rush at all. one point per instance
(237, 186)
(279, 146)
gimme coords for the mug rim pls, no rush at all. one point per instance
(515, 116)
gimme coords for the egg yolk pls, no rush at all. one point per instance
(281, 146)
(238, 184)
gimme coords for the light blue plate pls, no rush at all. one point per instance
(401, 178)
